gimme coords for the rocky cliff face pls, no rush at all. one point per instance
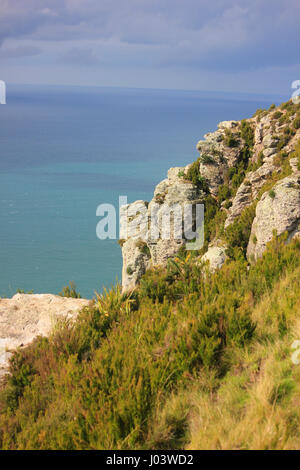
(277, 211)
(241, 163)
(140, 247)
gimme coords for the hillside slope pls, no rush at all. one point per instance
(191, 358)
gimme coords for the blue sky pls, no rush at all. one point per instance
(242, 46)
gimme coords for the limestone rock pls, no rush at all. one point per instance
(216, 161)
(216, 256)
(227, 124)
(277, 210)
(294, 165)
(26, 316)
(269, 151)
(249, 190)
(270, 141)
(216, 157)
(136, 260)
(142, 246)
(258, 133)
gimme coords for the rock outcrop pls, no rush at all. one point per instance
(216, 157)
(240, 155)
(26, 316)
(144, 237)
(277, 211)
(249, 190)
(216, 256)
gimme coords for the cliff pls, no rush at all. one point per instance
(243, 163)
(201, 349)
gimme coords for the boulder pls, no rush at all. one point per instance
(278, 210)
(26, 316)
(216, 256)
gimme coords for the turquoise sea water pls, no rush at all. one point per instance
(65, 150)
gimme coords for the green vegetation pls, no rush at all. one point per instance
(224, 193)
(143, 247)
(277, 115)
(193, 174)
(121, 242)
(237, 174)
(247, 133)
(237, 234)
(159, 198)
(230, 139)
(296, 154)
(272, 194)
(296, 122)
(189, 361)
(207, 159)
(22, 291)
(70, 291)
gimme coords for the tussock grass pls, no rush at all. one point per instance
(188, 360)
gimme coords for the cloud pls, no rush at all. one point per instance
(221, 35)
(79, 56)
(19, 51)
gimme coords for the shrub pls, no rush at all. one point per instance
(70, 291)
(272, 194)
(207, 159)
(296, 122)
(283, 141)
(238, 233)
(230, 139)
(143, 247)
(22, 291)
(124, 378)
(160, 198)
(277, 115)
(227, 204)
(224, 192)
(193, 174)
(247, 133)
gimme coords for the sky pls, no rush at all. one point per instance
(238, 46)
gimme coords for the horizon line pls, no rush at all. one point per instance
(119, 87)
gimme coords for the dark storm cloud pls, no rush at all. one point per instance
(223, 34)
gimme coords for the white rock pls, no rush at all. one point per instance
(280, 211)
(216, 256)
(227, 124)
(26, 316)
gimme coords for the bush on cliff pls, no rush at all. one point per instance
(135, 371)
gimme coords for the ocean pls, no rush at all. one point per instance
(65, 150)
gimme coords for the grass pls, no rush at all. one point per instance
(158, 368)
